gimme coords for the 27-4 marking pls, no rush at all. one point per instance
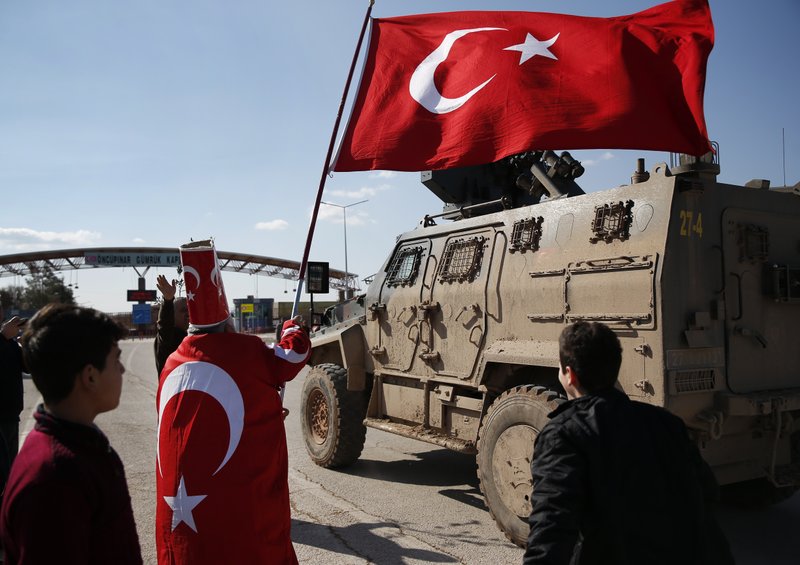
(691, 225)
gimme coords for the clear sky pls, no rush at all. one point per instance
(152, 122)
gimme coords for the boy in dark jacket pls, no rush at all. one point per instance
(66, 500)
(617, 481)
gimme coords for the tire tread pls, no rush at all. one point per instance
(351, 430)
(539, 394)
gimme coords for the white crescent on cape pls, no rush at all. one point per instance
(421, 86)
(212, 380)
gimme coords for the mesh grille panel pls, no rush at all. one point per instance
(403, 269)
(694, 381)
(462, 260)
(526, 234)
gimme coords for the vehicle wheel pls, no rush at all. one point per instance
(332, 417)
(505, 451)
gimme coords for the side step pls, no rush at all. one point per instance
(423, 434)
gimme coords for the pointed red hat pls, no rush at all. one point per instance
(205, 293)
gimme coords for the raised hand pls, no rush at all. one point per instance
(10, 329)
(167, 288)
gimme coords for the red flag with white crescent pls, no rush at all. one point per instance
(464, 88)
(222, 467)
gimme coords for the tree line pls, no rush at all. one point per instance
(41, 288)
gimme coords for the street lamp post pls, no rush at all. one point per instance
(344, 216)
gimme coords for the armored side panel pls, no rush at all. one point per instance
(462, 311)
(732, 360)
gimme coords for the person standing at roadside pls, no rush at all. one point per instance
(617, 481)
(173, 322)
(66, 500)
(222, 461)
(11, 367)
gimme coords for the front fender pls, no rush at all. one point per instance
(346, 347)
(522, 352)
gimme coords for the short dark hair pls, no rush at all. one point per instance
(60, 340)
(593, 351)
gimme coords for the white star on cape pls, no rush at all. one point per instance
(182, 505)
(190, 295)
(533, 47)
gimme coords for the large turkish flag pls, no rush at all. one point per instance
(221, 477)
(464, 88)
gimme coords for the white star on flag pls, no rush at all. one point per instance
(533, 47)
(190, 295)
(182, 505)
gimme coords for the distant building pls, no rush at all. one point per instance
(253, 315)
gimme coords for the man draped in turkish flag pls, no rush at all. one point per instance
(222, 469)
(465, 88)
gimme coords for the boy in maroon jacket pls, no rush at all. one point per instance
(66, 500)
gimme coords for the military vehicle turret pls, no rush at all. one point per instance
(455, 340)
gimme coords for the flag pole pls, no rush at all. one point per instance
(303, 264)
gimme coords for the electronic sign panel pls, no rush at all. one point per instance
(317, 277)
(142, 295)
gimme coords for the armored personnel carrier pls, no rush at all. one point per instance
(455, 341)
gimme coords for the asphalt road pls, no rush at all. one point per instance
(403, 502)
